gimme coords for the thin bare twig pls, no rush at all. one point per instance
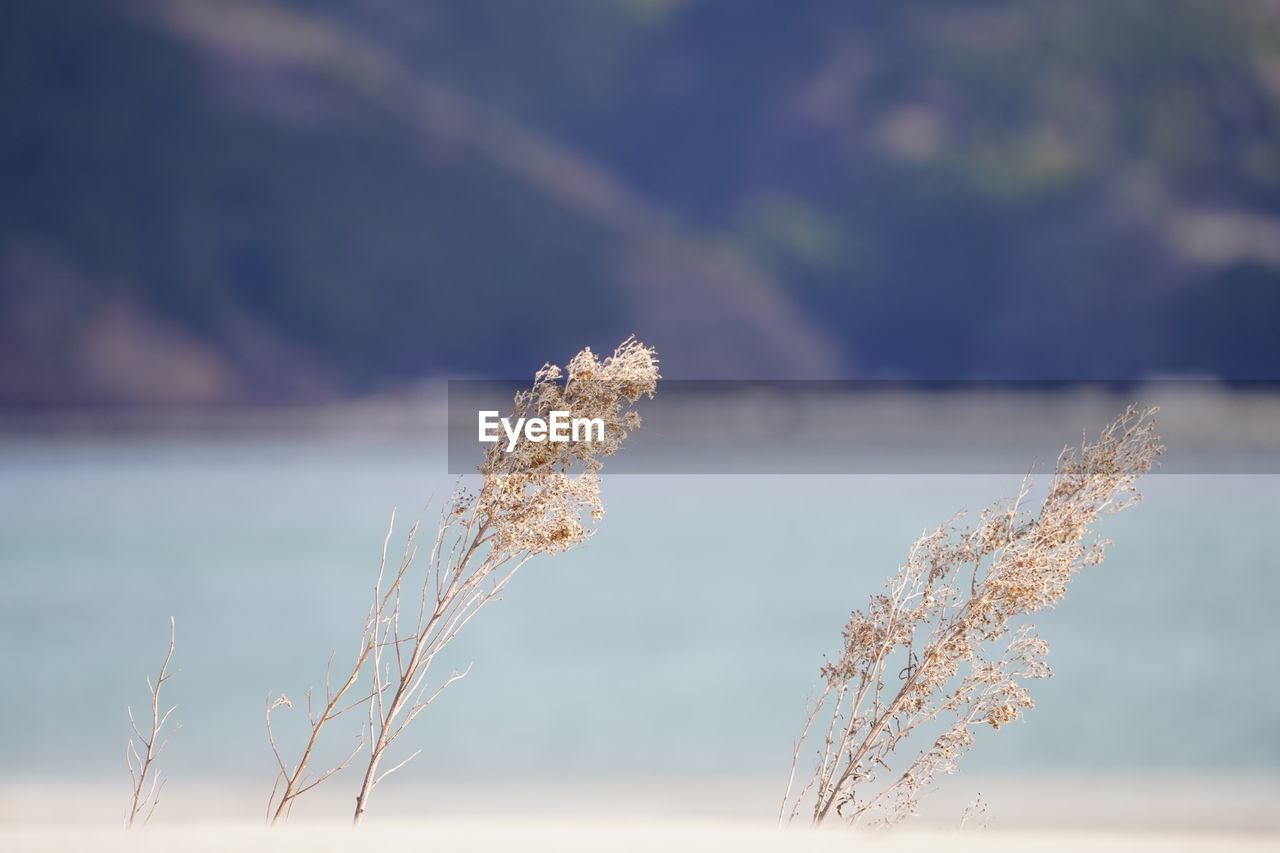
(292, 780)
(144, 747)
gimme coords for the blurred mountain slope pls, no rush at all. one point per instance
(300, 200)
(1036, 188)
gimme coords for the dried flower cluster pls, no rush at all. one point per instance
(533, 500)
(942, 651)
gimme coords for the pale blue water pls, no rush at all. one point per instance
(680, 642)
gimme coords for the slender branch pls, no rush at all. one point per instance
(292, 782)
(143, 748)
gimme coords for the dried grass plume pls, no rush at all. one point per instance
(541, 497)
(538, 497)
(945, 649)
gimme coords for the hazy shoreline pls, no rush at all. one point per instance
(1196, 805)
(790, 428)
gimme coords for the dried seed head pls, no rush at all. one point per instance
(536, 497)
(930, 647)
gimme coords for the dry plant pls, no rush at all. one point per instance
(293, 782)
(144, 747)
(539, 498)
(944, 649)
(976, 811)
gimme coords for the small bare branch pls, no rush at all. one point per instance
(143, 749)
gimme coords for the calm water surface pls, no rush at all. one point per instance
(681, 641)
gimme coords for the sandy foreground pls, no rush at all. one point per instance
(587, 835)
(1051, 815)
